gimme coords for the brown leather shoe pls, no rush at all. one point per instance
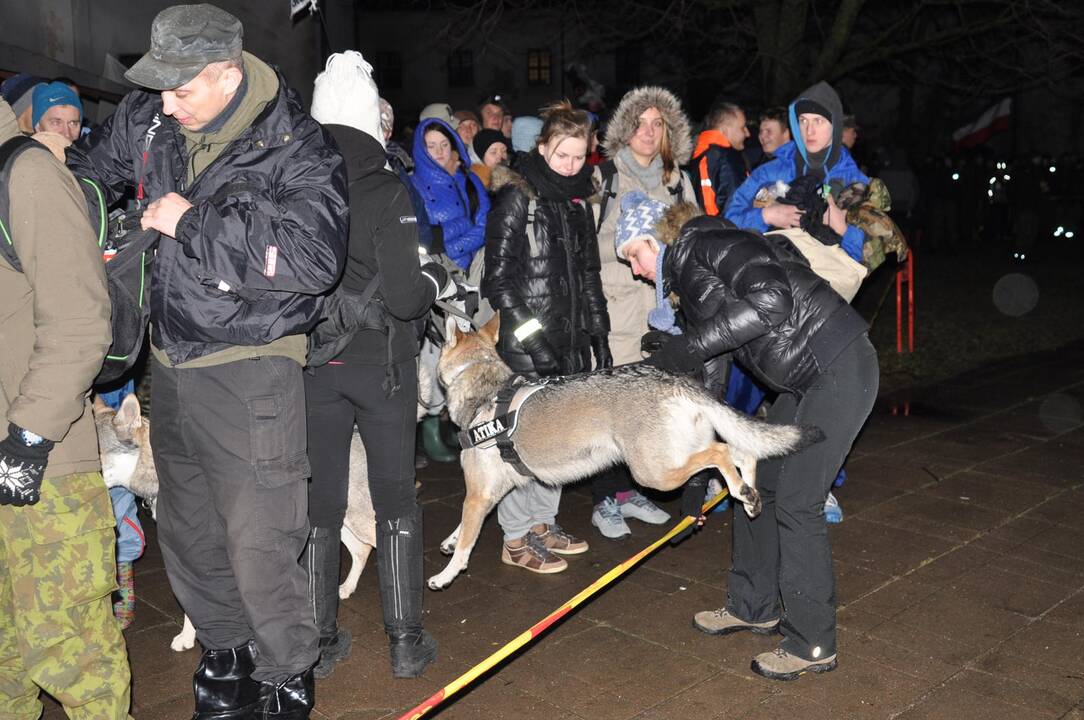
(556, 540)
(529, 553)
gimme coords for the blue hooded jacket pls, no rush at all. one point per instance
(840, 170)
(446, 199)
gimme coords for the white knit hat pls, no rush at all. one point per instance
(345, 94)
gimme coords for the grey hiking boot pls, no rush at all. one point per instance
(722, 622)
(779, 664)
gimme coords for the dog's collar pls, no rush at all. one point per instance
(460, 370)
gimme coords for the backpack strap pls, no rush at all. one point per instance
(677, 192)
(532, 241)
(609, 178)
(9, 151)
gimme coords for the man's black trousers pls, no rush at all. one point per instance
(229, 448)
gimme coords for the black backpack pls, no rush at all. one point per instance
(127, 250)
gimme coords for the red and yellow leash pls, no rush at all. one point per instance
(538, 628)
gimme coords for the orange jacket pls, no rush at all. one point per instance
(707, 189)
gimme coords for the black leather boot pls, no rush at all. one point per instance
(399, 565)
(321, 559)
(291, 699)
(223, 686)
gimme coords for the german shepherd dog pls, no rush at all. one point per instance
(125, 447)
(665, 427)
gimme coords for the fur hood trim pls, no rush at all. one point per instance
(502, 175)
(626, 117)
(668, 228)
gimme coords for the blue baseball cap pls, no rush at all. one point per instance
(49, 95)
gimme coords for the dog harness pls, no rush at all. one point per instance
(502, 427)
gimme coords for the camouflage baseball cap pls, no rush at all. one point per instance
(184, 40)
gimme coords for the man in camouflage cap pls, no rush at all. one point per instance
(249, 195)
(57, 574)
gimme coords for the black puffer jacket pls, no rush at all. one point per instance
(557, 282)
(267, 233)
(755, 295)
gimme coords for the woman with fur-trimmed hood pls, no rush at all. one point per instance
(756, 297)
(542, 276)
(646, 141)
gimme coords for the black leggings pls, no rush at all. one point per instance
(339, 395)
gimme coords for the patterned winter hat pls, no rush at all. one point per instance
(639, 214)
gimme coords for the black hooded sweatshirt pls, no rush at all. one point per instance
(384, 238)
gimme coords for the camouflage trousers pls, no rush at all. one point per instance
(57, 630)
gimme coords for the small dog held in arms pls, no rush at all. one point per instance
(665, 427)
(125, 447)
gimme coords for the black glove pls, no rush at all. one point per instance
(542, 355)
(653, 340)
(675, 357)
(22, 465)
(600, 348)
(692, 502)
(436, 272)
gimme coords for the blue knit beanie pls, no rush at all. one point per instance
(637, 219)
(525, 132)
(49, 95)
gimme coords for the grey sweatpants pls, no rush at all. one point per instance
(525, 506)
(229, 448)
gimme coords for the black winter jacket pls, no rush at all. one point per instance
(384, 238)
(557, 283)
(755, 295)
(267, 233)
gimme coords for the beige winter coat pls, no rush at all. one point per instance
(628, 298)
(54, 316)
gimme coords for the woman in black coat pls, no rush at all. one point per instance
(542, 276)
(755, 296)
(371, 383)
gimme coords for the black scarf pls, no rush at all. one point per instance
(554, 186)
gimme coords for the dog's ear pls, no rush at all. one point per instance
(128, 417)
(491, 330)
(451, 332)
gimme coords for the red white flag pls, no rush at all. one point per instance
(994, 120)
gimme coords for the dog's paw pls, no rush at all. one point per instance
(750, 501)
(345, 592)
(182, 641)
(447, 548)
(442, 579)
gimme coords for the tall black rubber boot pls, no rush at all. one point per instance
(223, 686)
(291, 699)
(399, 565)
(321, 559)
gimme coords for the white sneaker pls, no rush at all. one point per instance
(640, 508)
(609, 521)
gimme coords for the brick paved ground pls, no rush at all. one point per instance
(960, 568)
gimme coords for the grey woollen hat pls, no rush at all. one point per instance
(184, 40)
